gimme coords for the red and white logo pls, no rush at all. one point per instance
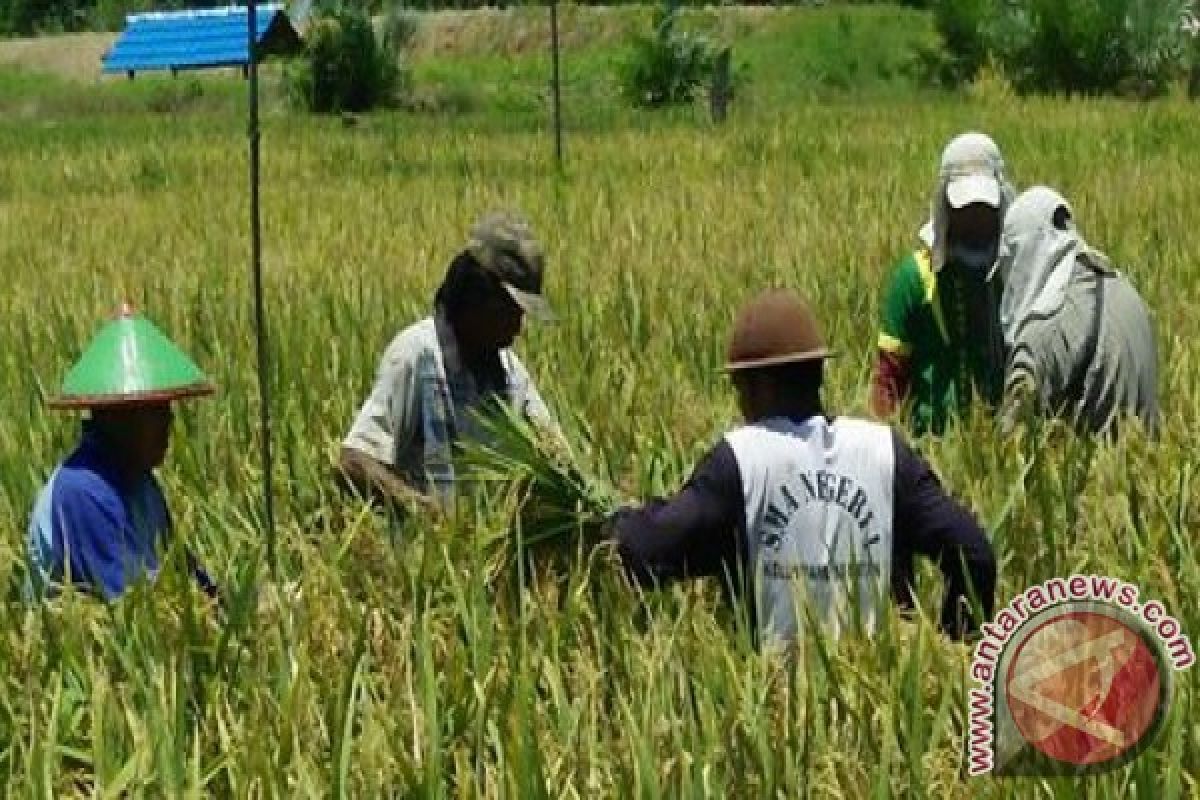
(1075, 677)
(1084, 688)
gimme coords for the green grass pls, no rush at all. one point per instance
(497, 66)
(783, 58)
(399, 669)
(35, 96)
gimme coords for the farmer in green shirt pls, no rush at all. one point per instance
(939, 344)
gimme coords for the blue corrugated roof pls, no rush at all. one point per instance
(189, 39)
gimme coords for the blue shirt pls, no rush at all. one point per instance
(94, 527)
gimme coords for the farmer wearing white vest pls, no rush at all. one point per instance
(1079, 338)
(439, 374)
(800, 509)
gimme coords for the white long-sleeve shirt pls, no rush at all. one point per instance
(424, 399)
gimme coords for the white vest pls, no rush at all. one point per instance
(818, 504)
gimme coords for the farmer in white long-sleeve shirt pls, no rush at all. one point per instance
(438, 374)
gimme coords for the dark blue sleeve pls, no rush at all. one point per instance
(929, 522)
(697, 532)
(90, 526)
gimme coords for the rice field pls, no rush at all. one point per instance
(386, 661)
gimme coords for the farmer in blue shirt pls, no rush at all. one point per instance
(101, 520)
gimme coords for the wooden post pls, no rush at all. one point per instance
(1191, 29)
(260, 313)
(555, 80)
(721, 90)
(1194, 70)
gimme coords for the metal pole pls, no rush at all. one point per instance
(558, 148)
(260, 322)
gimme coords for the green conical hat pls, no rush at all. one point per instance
(131, 361)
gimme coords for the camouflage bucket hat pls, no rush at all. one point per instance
(504, 245)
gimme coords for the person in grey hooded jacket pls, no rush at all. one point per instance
(1078, 337)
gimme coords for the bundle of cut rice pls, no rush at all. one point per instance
(558, 502)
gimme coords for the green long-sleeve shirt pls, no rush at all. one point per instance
(943, 325)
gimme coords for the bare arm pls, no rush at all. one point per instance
(890, 384)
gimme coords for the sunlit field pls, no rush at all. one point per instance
(402, 666)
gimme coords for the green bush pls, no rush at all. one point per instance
(1070, 46)
(29, 17)
(345, 66)
(1092, 46)
(1159, 45)
(1065, 45)
(668, 66)
(962, 26)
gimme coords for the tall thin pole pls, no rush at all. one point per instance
(558, 147)
(260, 321)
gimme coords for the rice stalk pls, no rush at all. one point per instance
(553, 500)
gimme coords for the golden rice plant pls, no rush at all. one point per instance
(557, 500)
(400, 669)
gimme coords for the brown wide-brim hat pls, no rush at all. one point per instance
(775, 328)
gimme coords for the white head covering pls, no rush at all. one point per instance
(1038, 250)
(972, 171)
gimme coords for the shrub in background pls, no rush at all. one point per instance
(346, 66)
(30, 17)
(1064, 45)
(668, 66)
(962, 26)
(1072, 46)
(1159, 44)
(1092, 46)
